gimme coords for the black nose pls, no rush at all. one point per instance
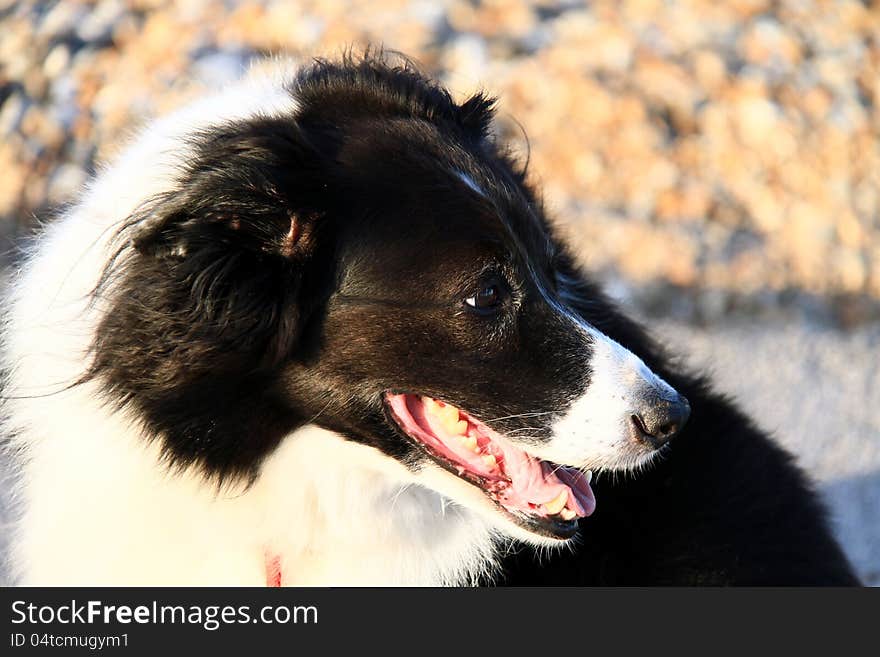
(660, 420)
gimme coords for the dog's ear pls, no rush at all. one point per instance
(255, 186)
(228, 250)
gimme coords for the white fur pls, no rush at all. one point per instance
(101, 511)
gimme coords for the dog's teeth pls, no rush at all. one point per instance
(556, 505)
(490, 461)
(448, 415)
(452, 425)
(567, 514)
(431, 405)
(470, 442)
(438, 408)
(459, 428)
(588, 476)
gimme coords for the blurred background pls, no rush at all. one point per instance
(716, 164)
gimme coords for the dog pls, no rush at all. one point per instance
(318, 330)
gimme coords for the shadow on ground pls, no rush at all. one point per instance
(854, 503)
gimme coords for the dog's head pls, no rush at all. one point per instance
(374, 264)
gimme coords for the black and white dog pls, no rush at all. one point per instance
(317, 330)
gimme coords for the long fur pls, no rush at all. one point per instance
(139, 463)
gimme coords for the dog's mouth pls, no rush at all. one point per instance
(542, 497)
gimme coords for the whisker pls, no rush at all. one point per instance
(510, 417)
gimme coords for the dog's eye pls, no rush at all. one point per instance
(486, 299)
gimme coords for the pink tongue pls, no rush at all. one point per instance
(579, 485)
(535, 482)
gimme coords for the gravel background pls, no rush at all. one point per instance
(740, 137)
(717, 163)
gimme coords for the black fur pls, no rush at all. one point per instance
(307, 264)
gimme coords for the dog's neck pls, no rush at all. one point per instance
(347, 514)
(324, 510)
